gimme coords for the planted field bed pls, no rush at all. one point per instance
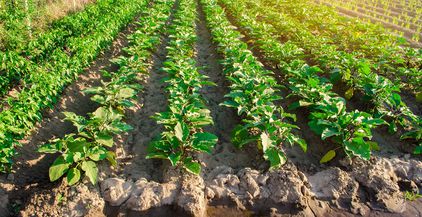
(213, 108)
(403, 18)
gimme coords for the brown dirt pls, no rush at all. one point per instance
(233, 182)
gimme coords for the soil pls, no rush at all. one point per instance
(233, 182)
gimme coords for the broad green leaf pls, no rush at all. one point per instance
(302, 144)
(127, 103)
(126, 93)
(276, 157)
(192, 167)
(241, 136)
(93, 90)
(375, 121)
(91, 171)
(77, 156)
(48, 148)
(204, 141)
(58, 169)
(76, 145)
(104, 139)
(304, 103)
(99, 99)
(174, 158)
(328, 156)
(111, 157)
(313, 124)
(73, 176)
(392, 128)
(98, 153)
(181, 131)
(329, 132)
(359, 147)
(101, 113)
(293, 106)
(418, 150)
(414, 134)
(396, 98)
(123, 127)
(230, 103)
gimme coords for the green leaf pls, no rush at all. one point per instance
(76, 145)
(174, 158)
(375, 121)
(302, 144)
(48, 148)
(123, 127)
(126, 93)
(241, 136)
(91, 171)
(277, 158)
(313, 124)
(58, 169)
(101, 113)
(97, 153)
(359, 147)
(230, 104)
(293, 106)
(73, 176)
(111, 157)
(349, 93)
(127, 103)
(329, 132)
(418, 150)
(304, 103)
(181, 131)
(396, 98)
(77, 156)
(192, 167)
(99, 99)
(104, 139)
(204, 141)
(392, 128)
(328, 156)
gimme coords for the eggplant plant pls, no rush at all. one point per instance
(183, 138)
(42, 87)
(253, 92)
(328, 117)
(92, 142)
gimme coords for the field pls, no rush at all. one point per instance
(211, 108)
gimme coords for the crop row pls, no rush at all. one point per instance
(329, 117)
(383, 51)
(408, 11)
(382, 95)
(253, 92)
(95, 135)
(183, 136)
(400, 26)
(46, 81)
(64, 34)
